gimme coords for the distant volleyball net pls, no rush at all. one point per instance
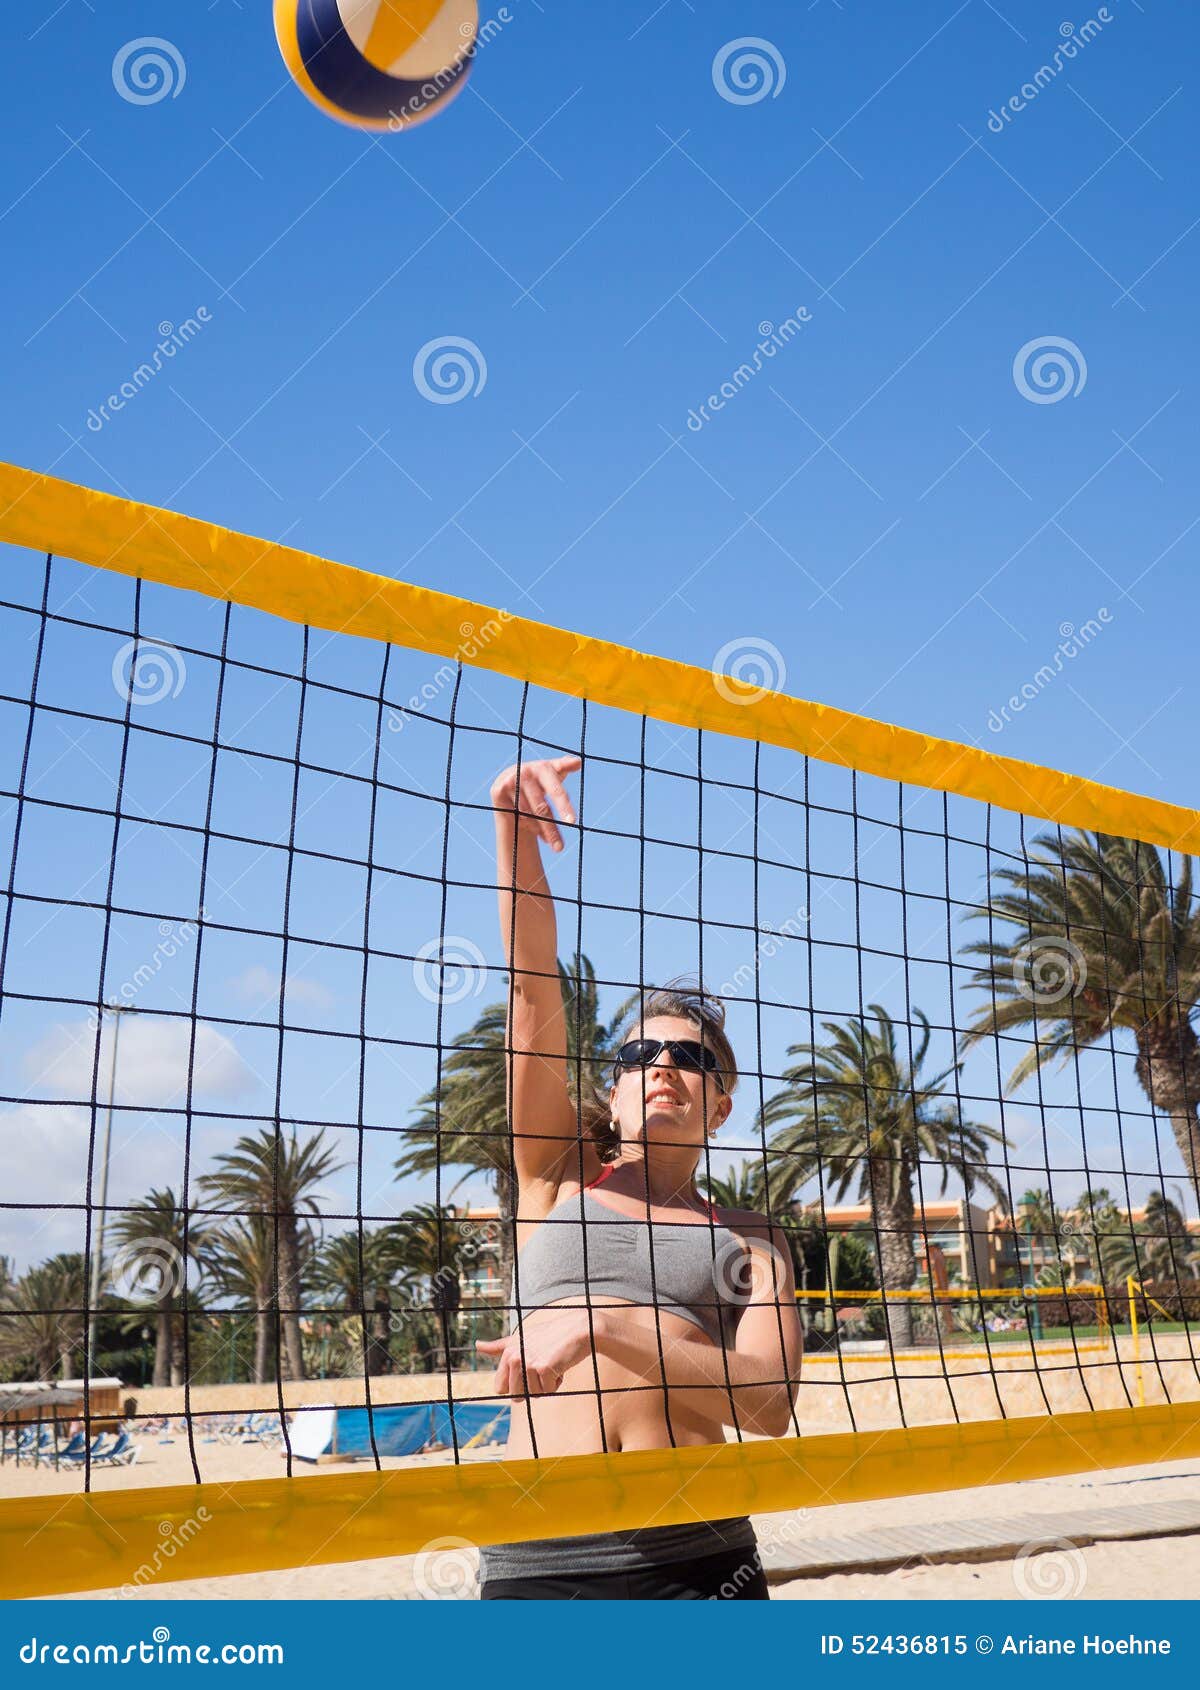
(259, 1199)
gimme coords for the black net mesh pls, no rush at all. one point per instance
(260, 1185)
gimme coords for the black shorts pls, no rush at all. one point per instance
(736, 1575)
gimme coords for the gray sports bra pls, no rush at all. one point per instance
(697, 1272)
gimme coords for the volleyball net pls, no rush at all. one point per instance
(259, 1183)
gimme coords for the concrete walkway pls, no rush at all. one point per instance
(992, 1539)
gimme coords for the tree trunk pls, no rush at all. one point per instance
(897, 1255)
(1168, 1070)
(379, 1354)
(163, 1344)
(177, 1346)
(263, 1333)
(289, 1298)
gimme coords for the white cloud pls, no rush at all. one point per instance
(152, 1061)
(259, 984)
(43, 1161)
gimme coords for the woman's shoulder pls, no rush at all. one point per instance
(747, 1222)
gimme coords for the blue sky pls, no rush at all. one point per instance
(912, 533)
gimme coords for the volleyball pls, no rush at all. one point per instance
(378, 64)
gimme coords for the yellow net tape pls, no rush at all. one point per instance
(46, 514)
(56, 1544)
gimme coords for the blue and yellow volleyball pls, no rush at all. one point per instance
(378, 64)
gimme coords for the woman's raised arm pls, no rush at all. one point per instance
(526, 799)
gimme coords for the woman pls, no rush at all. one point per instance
(644, 1317)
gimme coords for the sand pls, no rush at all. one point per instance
(1167, 1567)
(1147, 1569)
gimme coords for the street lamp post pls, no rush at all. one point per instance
(117, 1010)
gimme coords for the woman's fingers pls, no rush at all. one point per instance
(535, 790)
(555, 789)
(534, 803)
(534, 1380)
(522, 1378)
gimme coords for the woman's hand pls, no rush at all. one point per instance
(531, 788)
(553, 1340)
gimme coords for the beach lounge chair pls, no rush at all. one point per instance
(76, 1458)
(122, 1453)
(262, 1429)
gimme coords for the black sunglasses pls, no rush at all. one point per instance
(685, 1053)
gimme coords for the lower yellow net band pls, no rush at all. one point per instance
(77, 1543)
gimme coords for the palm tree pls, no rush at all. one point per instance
(1095, 941)
(1107, 1233)
(463, 1121)
(740, 1189)
(277, 1179)
(358, 1270)
(1165, 1249)
(1039, 1219)
(428, 1246)
(41, 1317)
(154, 1252)
(857, 1108)
(242, 1264)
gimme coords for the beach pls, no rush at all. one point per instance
(1166, 1566)
(1148, 1568)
